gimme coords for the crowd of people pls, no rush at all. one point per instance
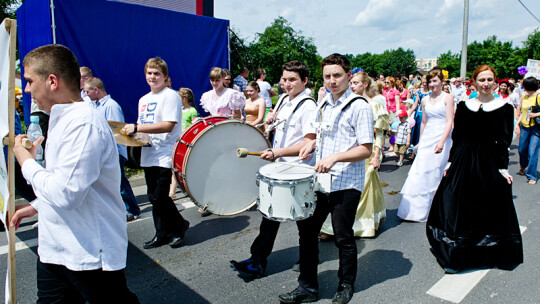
(459, 169)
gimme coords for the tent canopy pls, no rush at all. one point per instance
(115, 40)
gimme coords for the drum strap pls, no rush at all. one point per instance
(300, 103)
(321, 127)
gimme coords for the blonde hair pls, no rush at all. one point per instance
(94, 82)
(217, 73)
(187, 94)
(364, 78)
(157, 63)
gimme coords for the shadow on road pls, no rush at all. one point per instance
(153, 284)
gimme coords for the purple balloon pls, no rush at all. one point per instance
(392, 140)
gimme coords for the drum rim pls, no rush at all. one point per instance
(188, 154)
(274, 181)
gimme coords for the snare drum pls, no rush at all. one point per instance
(286, 193)
(207, 168)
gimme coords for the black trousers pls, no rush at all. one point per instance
(342, 206)
(264, 242)
(167, 220)
(57, 284)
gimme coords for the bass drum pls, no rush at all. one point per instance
(207, 168)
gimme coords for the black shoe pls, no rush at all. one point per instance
(344, 294)
(296, 267)
(186, 227)
(249, 267)
(176, 242)
(297, 296)
(153, 243)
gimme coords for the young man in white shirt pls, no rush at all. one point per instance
(160, 115)
(297, 109)
(82, 242)
(111, 110)
(344, 141)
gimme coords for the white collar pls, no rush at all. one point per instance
(474, 104)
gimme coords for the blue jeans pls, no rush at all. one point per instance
(529, 144)
(125, 190)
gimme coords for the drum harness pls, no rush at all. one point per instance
(323, 127)
(286, 120)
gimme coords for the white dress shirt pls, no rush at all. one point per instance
(297, 126)
(82, 218)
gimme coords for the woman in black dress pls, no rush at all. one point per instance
(472, 222)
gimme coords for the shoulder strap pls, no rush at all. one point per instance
(280, 101)
(302, 101)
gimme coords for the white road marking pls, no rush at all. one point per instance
(20, 246)
(455, 287)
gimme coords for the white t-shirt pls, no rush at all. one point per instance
(265, 87)
(153, 108)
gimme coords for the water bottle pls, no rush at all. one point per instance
(528, 119)
(34, 131)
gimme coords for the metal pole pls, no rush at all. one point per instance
(53, 24)
(463, 72)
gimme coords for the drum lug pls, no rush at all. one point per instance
(306, 193)
(257, 182)
(311, 185)
(293, 212)
(292, 190)
(270, 189)
(205, 208)
(185, 143)
(270, 211)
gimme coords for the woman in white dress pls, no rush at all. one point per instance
(222, 101)
(433, 149)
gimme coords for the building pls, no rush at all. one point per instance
(426, 64)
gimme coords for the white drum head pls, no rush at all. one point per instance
(282, 171)
(218, 179)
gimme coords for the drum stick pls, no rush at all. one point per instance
(243, 152)
(27, 144)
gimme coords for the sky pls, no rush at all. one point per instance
(428, 27)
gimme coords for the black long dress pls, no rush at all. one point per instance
(472, 222)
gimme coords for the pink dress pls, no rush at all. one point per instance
(228, 101)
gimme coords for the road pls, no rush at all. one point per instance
(393, 267)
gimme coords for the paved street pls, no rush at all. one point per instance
(394, 267)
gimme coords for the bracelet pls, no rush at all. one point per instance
(134, 128)
(273, 155)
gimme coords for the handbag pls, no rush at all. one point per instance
(536, 109)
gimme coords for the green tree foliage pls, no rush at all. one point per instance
(450, 62)
(502, 56)
(280, 43)
(391, 62)
(532, 45)
(7, 9)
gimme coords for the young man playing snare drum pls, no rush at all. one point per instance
(160, 115)
(293, 112)
(344, 125)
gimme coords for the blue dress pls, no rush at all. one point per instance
(415, 135)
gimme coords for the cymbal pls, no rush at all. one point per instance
(133, 140)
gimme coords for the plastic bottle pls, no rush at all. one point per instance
(34, 131)
(528, 119)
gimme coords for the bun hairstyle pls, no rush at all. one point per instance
(254, 85)
(364, 78)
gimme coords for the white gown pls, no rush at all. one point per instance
(427, 169)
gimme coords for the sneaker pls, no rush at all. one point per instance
(249, 267)
(399, 164)
(344, 294)
(131, 217)
(298, 296)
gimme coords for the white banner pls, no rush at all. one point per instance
(533, 68)
(4, 117)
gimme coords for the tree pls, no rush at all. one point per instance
(280, 43)
(7, 8)
(450, 62)
(532, 45)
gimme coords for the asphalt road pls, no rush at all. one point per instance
(393, 267)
